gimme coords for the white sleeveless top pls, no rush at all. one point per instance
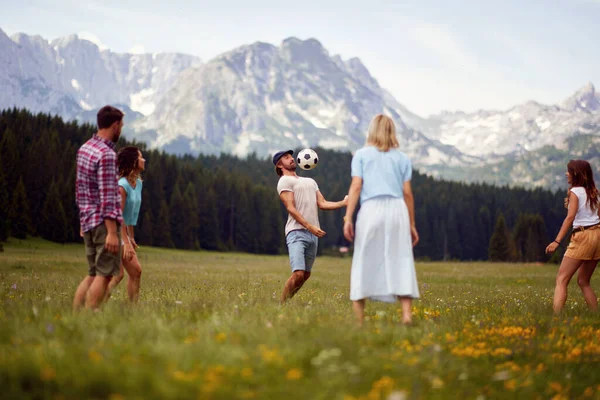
(585, 216)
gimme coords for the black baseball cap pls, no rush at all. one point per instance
(280, 154)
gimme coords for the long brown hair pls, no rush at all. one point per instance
(127, 159)
(582, 175)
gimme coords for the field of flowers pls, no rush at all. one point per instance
(209, 326)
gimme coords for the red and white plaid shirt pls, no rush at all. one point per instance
(97, 192)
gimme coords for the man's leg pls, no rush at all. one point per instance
(296, 249)
(84, 286)
(81, 292)
(96, 292)
(113, 283)
(293, 284)
(106, 264)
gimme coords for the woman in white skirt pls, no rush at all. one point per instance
(383, 267)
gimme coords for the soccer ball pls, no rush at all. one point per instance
(307, 159)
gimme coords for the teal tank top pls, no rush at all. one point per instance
(132, 202)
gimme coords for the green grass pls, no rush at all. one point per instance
(209, 326)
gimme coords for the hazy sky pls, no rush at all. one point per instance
(432, 55)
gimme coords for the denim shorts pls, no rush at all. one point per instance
(302, 247)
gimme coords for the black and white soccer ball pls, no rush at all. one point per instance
(307, 159)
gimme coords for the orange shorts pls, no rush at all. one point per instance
(585, 245)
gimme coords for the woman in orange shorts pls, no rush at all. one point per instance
(584, 249)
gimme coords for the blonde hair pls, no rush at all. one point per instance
(382, 133)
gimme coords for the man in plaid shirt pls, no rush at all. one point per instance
(99, 202)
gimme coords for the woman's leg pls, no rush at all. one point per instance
(358, 307)
(583, 279)
(114, 281)
(406, 309)
(134, 270)
(567, 269)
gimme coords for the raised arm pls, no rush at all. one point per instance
(287, 198)
(330, 205)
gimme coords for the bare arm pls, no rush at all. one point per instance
(330, 205)
(567, 223)
(288, 201)
(353, 196)
(410, 201)
(131, 235)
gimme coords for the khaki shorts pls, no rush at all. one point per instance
(585, 245)
(101, 261)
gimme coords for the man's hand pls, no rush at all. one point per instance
(112, 243)
(349, 231)
(414, 235)
(318, 232)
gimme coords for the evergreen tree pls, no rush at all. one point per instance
(53, 219)
(520, 234)
(4, 206)
(245, 224)
(19, 216)
(190, 211)
(11, 159)
(179, 221)
(208, 220)
(499, 248)
(145, 233)
(162, 228)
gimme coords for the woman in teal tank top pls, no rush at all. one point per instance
(131, 164)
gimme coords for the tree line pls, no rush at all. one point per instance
(230, 204)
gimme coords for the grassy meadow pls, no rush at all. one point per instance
(209, 326)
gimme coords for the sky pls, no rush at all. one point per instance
(431, 55)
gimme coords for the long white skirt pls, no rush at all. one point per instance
(383, 265)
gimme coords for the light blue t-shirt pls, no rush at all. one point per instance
(383, 172)
(132, 202)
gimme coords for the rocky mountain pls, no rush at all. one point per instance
(523, 128)
(71, 76)
(261, 98)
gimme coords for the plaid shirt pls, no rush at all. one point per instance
(97, 193)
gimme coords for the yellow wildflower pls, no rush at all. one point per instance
(294, 374)
(47, 374)
(246, 373)
(221, 337)
(95, 356)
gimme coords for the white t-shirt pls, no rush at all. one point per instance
(305, 198)
(585, 216)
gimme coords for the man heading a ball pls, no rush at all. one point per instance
(302, 199)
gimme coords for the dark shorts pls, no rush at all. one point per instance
(101, 261)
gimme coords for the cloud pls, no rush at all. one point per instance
(92, 38)
(439, 40)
